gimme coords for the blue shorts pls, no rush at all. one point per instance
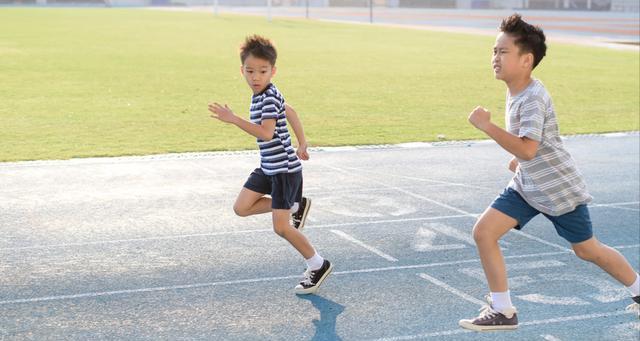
(285, 188)
(574, 226)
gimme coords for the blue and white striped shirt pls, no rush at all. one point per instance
(277, 155)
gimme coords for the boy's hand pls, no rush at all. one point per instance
(302, 152)
(513, 165)
(480, 118)
(221, 113)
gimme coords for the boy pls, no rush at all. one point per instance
(546, 180)
(280, 172)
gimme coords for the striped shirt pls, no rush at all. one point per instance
(550, 182)
(276, 155)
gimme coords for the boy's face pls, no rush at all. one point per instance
(508, 62)
(258, 73)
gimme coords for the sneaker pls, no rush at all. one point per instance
(490, 319)
(300, 216)
(313, 279)
(635, 306)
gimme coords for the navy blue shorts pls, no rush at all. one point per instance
(285, 188)
(574, 226)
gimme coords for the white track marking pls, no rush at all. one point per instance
(452, 290)
(554, 300)
(255, 280)
(457, 184)
(362, 244)
(441, 204)
(213, 234)
(523, 324)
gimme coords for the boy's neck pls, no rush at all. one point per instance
(518, 85)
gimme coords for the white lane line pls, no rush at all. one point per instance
(362, 244)
(548, 337)
(256, 280)
(451, 289)
(557, 246)
(320, 226)
(618, 206)
(559, 300)
(575, 318)
(540, 240)
(364, 223)
(142, 290)
(626, 246)
(524, 324)
(417, 196)
(457, 184)
(350, 190)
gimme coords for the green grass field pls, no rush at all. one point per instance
(107, 82)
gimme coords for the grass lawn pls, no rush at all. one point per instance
(107, 82)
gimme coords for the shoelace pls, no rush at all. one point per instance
(486, 312)
(306, 277)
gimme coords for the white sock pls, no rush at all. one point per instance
(315, 262)
(634, 288)
(294, 208)
(501, 301)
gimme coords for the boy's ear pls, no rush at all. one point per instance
(273, 70)
(528, 60)
(242, 69)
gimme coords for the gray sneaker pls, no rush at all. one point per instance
(490, 319)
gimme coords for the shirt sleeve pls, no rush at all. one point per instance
(532, 117)
(271, 107)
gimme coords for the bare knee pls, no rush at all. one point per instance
(240, 211)
(482, 234)
(280, 229)
(589, 250)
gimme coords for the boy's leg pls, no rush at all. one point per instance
(576, 228)
(250, 202)
(251, 199)
(489, 228)
(282, 227)
(317, 267)
(608, 259)
(500, 314)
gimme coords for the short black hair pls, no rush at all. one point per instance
(529, 38)
(259, 47)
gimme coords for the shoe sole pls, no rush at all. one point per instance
(304, 215)
(475, 327)
(315, 288)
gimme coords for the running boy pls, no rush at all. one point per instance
(546, 179)
(280, 172)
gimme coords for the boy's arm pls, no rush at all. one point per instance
(521, 147)
(262, 131)
(296, 125)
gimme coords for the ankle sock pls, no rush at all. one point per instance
(634, 288)
(315, 262)
(501, 301)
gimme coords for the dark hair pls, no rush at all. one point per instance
(529, 38)
(259, 47)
